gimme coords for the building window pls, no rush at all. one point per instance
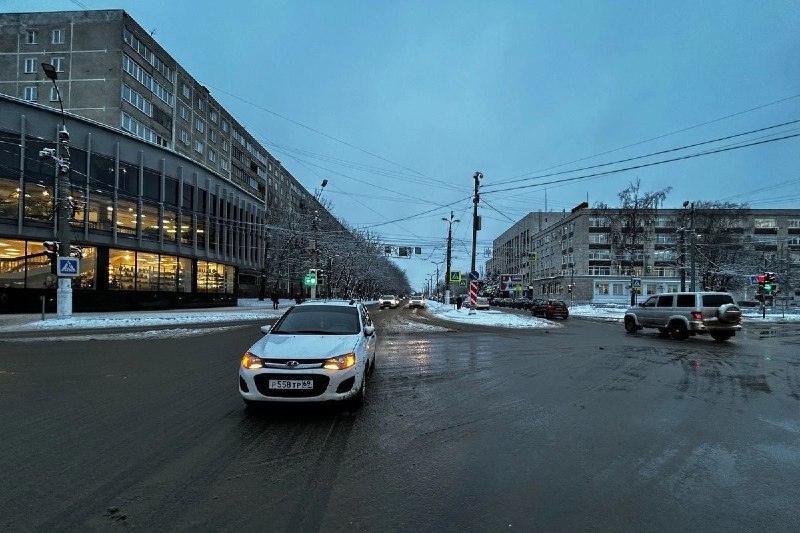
(186, 91)
(770, 240)
(201, 105)
(225, 126)
(58, 37)
(765, 223)
(31, 93)
(212, 155)
(185, 137)
(212, 136)
(58, 63)
(137, 128)
(199, 125)
(184, 113)
(225, 146)
(121, 270)
(198, 147)
(601, 288)
(224, 164)
(32, 37)
(30, 65)
(794, 222)
(214, 116)
(599, 238)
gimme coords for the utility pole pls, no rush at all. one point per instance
(315, 253)
(694, 250)
(476, 221)
(449, 255)
(476, 225)
(62, 164)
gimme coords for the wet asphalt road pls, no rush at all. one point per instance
(579, 428)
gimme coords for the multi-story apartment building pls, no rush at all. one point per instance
(592, 255)
(164, 179)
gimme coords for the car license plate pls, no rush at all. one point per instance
(291, 384)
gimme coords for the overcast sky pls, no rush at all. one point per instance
(398, 104)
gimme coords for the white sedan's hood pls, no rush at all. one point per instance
(299, 347)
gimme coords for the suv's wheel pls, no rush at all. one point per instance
(678, 331)
(630, 325)
(663, 332)
(721, 336)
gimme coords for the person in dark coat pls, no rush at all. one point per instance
(275, 300)
(459, 301)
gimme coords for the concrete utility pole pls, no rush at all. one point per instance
(476, 225)
(476, 221)
(694, 250)
(449, 254)
(315, 251)
(62, 163)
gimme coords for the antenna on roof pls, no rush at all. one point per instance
(152, 32)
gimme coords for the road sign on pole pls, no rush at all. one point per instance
(455, 276)
(68, 267)
(474, 275)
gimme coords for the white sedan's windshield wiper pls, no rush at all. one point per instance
(307, 331)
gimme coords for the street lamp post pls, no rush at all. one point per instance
(693, 251)
(449, 255)
(61, 158)
(436, 285)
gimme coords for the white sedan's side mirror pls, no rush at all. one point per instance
(265, 329)
(369, 331)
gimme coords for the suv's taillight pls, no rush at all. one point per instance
(697, 315)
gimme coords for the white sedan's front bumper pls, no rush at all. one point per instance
(329, 385)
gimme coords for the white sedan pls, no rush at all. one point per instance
(317, 351)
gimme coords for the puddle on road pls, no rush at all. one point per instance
(772, 331)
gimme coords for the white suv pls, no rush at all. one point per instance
(388, 300)
(682, 314)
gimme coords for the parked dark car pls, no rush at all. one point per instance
(551, 309)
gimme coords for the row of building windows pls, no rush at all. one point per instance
(56, 36)
(140, 130)
(23, 264)
(132, 67)
(137, 100)
(148, 55)
(31, 64)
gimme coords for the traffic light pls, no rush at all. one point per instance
(51, 251)
(569, 287)
(769, 282)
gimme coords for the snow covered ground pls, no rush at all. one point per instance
(250, 310)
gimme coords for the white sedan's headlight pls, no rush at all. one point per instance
(340, 363)
(252, 361)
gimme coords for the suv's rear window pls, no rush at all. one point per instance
(715, 300)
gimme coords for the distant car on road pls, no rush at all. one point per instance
(315, 352)
(416, 302)
(482, 303)
(550, 309)
(388, 300)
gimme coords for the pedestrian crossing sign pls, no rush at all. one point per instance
(455, 276)
(68, 267)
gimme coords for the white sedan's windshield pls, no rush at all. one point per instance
(319, 320)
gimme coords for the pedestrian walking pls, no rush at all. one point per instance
(275, 300)
(459, 301)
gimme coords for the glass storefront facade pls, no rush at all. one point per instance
(140, 218)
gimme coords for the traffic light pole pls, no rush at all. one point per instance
(64, 291)
(62, 164)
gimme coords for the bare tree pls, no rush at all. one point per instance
(629, 226)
